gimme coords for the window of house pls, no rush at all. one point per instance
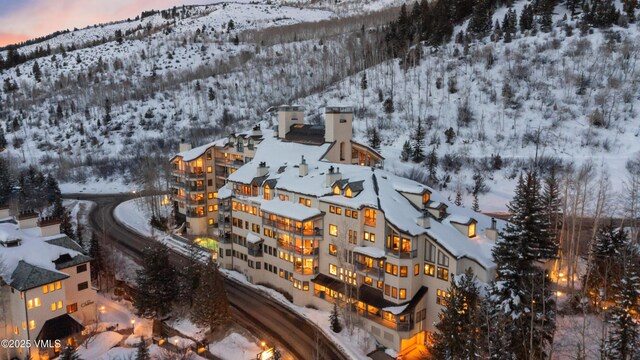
(442, 273)
(429, 269)
(426, 197)
(210, 182)
(442, 297)
(333, 230)
(380, 283)
(403, 294)
(369, 236)
(370, 217)
(333, 250)
(210, 195)
(416, 269)
(333, 270)
(336, 190)
(392, 269)
(267, 192)
(332, 209)
(339, 210)
(354, 214)
(347, 212)
(394, 292)
(353, 237)
(72, 308)
(32, 324)
(348, 193)
(81, 268)
(210, 208)
(45, 289)
(83, 285)
(443, 259)
(403, 271)
(430, 252)
(472, 230)
(387, 290)
(368, 280)
(215, 195)
(209, 169)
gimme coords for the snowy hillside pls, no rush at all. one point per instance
(100, 111)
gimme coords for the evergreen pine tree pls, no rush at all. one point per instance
(37, 73)
(95, 252)
(458, 201)
(212, 94)
(417, 147)
(552, 202)
(432, 167)
(629, 7)
(210, 306)
(451, 135)
(605, 269)
(364, 84)
(624, 336)
(480, 23)
(458, 335)
(156, 283)
(190, 274)
(374, 137)
(6, 187)
(406, 151)
(143, 350)
(69, 353)
(334, 319)
(520, 295)
(526, 18)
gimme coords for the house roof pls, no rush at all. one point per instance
(306, 134)
(59, 328)
(27, 276)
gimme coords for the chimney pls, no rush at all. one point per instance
(49, 226)
(303, 167)
(27, 219)
(492, 232)
(424, 221)
(262, 170)
(256, 130)
(184, 146)
(333, 176)
(338, 125)
(287, 117)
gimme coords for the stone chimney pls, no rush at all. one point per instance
(492, 232)
(184, 146)
(49, 226)
(333, 175)
(27, 219)
(303, 167)
(262, 170)
(288, 116)
(256, 131)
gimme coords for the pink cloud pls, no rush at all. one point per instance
(42, 17)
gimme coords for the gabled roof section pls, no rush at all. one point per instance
(27, 276)
(196, 152)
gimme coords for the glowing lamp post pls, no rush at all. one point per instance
(133, 325)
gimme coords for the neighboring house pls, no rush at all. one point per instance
(304, 216)
(46, 291)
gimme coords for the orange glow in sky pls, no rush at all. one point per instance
(26, 19)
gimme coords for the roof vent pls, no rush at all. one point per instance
(262, 169)
(303, 168)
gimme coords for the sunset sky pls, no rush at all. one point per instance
(25, 19)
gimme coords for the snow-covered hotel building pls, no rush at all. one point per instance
(45, 292)
(308, 211)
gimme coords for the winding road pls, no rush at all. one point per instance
(264, 317)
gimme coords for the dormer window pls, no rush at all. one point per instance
(267, 192)
(472, 230)
(336, 190)
(426, 197)
(232, 140)
(348, 193)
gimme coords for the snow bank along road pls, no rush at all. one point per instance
(265, 317)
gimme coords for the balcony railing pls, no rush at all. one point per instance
(224, 208)
(306, 271)
(254, 252)
(225, 238)
(306, 250)
(399, 326)
(195, 175)
(285, 245)
(370, 271)
(193, 187)
(292, 229)
(401, 254)
(195, 214)
(191, 201)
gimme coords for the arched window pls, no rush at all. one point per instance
(342, 150)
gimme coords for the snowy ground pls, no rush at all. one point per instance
(98, 186)
(235, 347)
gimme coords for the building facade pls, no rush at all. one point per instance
(46, 291)
(312, 214)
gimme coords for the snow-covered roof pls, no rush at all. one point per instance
(395, 310)
(196, 152)
(290, 210)
(253, 238)
(380, 190)
(36, 254)
(369, 251)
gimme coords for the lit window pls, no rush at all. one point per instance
(333, 230)
(210, 222)
(336, 190)
(442, 273)
(333, 250)
(210, 195)
(333, 270)
(36, 302)
(370, 217)
(32, 324)
(58, 285)
(348, 193)
(53, 306)
(29, 304)
(403, 271)
(355, 214)
(429, 269)
(210, 208)
(426, 197)
(339, 210)
(403, 294)
(267, 192)
(45, 289)
(347, 212)
(215, 195)
(59, 304)
(416, 269)
(308, 202)
(332, 209)
(209, 169)
(52, 287)
(472, 230)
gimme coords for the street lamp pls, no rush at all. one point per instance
(133, 325)
(263, 344)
